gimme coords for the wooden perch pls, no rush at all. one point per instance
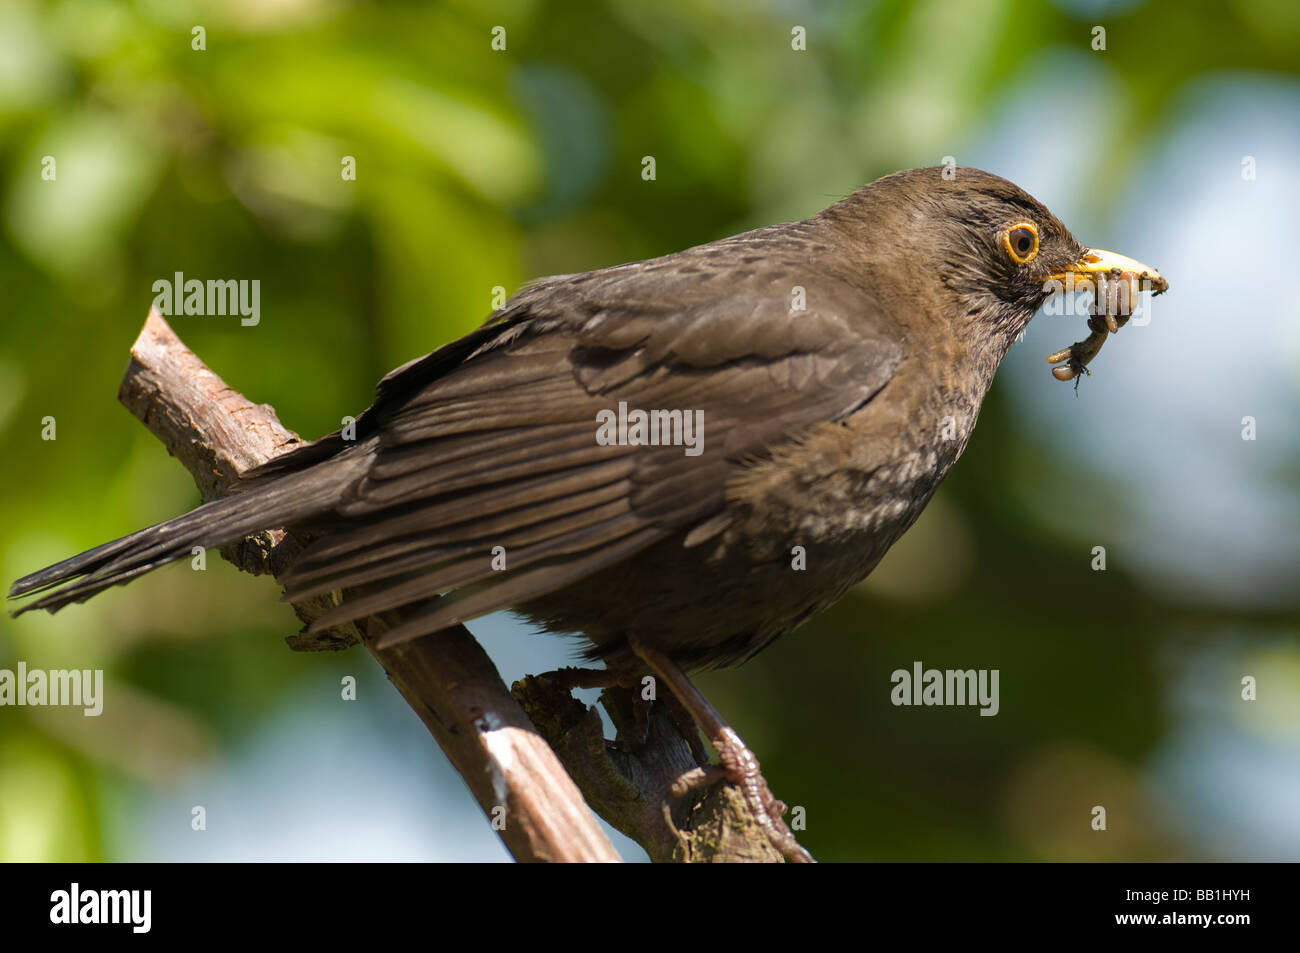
(642, 788)
(448, 680)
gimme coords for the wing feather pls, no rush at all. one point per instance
(500, 449)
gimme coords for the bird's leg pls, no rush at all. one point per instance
(738, 762)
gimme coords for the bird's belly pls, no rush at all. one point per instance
(718, 603)
(700, 612)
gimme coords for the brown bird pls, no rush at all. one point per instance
(681, 458)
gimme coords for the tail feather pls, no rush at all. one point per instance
(286, 500)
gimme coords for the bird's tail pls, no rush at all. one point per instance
(287, 499)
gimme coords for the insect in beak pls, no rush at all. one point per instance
(1116, 282)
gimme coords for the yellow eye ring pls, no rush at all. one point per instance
(1021, 242)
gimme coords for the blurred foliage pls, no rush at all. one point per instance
(479, 168)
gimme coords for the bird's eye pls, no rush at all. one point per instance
(1021, 242)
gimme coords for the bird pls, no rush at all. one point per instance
(678, 460)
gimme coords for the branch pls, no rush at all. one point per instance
(447, 679)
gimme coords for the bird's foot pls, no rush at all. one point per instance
(740, 767)
(742, 770)
(738, 764)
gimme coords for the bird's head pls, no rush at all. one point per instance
(973, 251)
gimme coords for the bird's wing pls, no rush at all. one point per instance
(501, 449)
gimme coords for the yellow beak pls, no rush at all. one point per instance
(1096, 263)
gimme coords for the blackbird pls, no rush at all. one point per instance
(682, 458)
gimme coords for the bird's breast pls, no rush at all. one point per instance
(811, 519)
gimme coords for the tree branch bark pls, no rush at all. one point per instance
(448, 680)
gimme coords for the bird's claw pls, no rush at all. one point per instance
(742, 770)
